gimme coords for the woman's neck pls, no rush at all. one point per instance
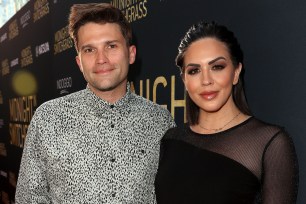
(223, 119)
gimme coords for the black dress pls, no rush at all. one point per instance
(253, 162)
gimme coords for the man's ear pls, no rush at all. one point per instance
(132, 54)
(78, 61)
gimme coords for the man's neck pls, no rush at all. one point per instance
(111, 96)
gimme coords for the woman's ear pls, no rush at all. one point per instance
(183, 79)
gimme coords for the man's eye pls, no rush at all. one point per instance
(111, 46)
(88, 50)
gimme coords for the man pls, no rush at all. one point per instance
(101, 144)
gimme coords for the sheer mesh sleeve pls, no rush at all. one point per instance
(280, 171)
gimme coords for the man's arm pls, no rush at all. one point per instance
(32, 185)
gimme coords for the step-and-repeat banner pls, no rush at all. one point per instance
(37, 63)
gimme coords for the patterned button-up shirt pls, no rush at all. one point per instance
(81, 149)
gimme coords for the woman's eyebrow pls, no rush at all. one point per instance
(214, 60)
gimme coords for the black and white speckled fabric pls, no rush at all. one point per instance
(81, 149)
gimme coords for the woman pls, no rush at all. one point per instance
(223, 154)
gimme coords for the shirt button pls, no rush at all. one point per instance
(113, 160)
(113, 195)
(112, 106)
(112, 125)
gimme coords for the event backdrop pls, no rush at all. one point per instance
(37, 63)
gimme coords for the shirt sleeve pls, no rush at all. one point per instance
(32, 185)
(168, 120)
(280, 171)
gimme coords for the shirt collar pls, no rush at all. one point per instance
(94, 101)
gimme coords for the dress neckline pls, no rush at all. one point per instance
(189, 130)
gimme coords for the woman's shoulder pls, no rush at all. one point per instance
(257, 128)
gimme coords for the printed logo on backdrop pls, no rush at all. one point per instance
(5, 67)
(21, 113)
(14, 62)
(133, 9)
(62, 40)
(24, 20)
(3, 37)
(63, 85)
(3, 173)
(151, 90)
(41, 49)
(13, 29)
(41, 9)
(26, 56)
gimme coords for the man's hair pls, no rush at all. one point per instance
(100, 13)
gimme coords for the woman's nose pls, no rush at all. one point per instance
(206, 77)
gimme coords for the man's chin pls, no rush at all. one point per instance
(104, 89)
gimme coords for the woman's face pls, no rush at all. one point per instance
(209, 74)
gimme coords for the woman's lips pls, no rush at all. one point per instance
(209, 95)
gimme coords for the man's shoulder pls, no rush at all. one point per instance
(151, 110)
(146, 103)
(57, 104)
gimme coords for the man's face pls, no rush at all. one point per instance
(104, 58)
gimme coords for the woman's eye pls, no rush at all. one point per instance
(217, 67)
(193, 70)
